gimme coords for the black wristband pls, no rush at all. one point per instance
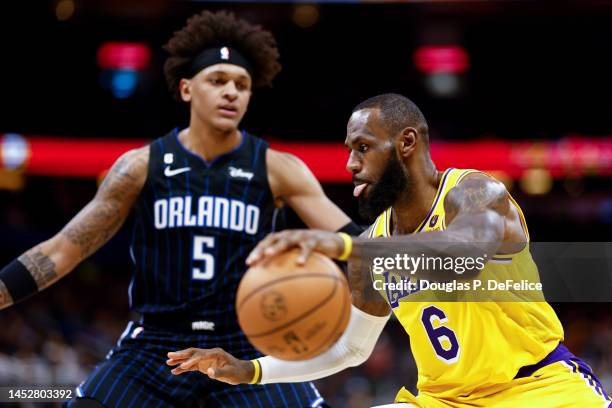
(18, 281)
(352, 229)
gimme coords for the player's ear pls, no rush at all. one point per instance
(185, 89)
(407, 141)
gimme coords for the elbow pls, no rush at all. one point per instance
(63, 256)
(360, 359)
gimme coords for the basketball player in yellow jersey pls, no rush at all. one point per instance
(468, 354)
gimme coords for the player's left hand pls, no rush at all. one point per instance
(215, 363)
(325, 242)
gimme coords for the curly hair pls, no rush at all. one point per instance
(222, 28)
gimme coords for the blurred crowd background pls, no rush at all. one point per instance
(533, 73)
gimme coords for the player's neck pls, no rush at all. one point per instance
(209, 143)
(414, 204)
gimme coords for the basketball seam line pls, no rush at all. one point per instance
(300, 317)
(303, 275)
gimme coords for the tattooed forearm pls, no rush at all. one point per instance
(103, 217)
(5, 296)
(40, 266)
(364, 297)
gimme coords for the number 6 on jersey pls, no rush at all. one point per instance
(442, 338)
(199, 244)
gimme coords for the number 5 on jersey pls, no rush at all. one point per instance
(200, 245)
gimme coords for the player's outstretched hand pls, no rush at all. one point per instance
(325, 242)
(215, 363)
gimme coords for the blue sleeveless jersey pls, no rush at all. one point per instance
(195, 224)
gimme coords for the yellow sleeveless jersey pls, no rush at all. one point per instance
(463, 348)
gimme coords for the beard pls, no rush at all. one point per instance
(385, 192)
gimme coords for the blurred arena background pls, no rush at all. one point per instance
(519, 88)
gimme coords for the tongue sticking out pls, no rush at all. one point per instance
(359, 189)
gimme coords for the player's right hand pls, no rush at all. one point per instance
(215, 363)
(308, 240)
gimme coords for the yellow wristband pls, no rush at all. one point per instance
(348, 246)
(257, 372)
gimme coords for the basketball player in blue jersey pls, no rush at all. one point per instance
(202, 198)
(468, 354)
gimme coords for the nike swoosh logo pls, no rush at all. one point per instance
(173, 172)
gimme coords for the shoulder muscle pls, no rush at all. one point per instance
(476, 193)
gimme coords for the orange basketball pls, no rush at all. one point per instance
(293, 312)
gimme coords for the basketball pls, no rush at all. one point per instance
(293, 312)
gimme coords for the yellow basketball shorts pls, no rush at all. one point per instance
(566, 383)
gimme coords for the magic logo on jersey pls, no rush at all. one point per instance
(206, 211)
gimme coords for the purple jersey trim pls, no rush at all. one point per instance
(440, 192)
(560, 353)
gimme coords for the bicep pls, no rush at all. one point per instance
(294, 184)
(102, 217)
(317, 211)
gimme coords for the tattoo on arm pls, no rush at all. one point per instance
(40, 266)
(475, 210)
(365, 298)
(476, 194)
(103, 217)
(93, 226)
